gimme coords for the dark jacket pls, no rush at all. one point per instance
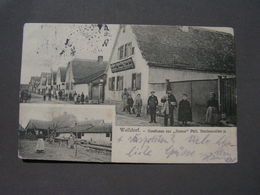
(212, 103)
(130, 101)
(152, 101)
(172, 99)
(184, 113)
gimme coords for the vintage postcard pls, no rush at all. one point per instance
(161, 94)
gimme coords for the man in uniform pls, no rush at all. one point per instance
(152, 104)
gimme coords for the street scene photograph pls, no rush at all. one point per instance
(155, 75)
(65, 132)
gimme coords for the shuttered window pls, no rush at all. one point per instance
(112, 83)
(138, 81)
(125, 51)
(120, 83)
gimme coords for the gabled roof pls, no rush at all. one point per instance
(21, 128)
(49, 80)
(24, 86)
(86, 70)
(62, 73)
(78, 128)
(103, 128)
(87, 128)
(54, 75)
(192, 49)
(45, 76)
(39, 124)
(35, 78)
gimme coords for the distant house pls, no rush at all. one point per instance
(189, 60)
(24, 87)
(49, 82)
(35, 126)
(99, 134)
(45, 82)
(60, 78)
(34, 83)
(87, 77)
(53, 80)
(21, 131)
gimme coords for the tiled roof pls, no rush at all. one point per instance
(39, 124)
(193, 49)
(21, 128)
(35, 78)
(87, 128)
(54, 75)
(85, 70)
(62, 73)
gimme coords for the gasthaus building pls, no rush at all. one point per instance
(190, 60)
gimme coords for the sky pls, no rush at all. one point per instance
(47, 112)
(49, 46)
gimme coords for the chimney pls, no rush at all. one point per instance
(100, 59)
(185, 28)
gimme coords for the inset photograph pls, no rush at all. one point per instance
(65, 132)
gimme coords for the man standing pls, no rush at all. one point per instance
(124, 97)
(172, 104)
(152, 104)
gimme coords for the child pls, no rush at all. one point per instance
(184, 114)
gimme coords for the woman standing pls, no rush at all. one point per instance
(184, 114)
(40, 143)
(212, 110)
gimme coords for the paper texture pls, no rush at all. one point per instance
(174, 145)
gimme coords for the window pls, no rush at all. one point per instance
(125, 51)
(121, 52)
(112, 83)
(136, 81)
(128, 49)
(107, 134)
(119, 83)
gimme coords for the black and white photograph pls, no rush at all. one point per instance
(155, 75)
(65, 132)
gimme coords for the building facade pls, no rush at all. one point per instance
(60, 78)
(87, 77)
(188, 60)
(34, 83)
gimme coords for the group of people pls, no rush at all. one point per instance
(130, 105)
(25, 96)
(61, 95)
(80, 98)
(169, 105)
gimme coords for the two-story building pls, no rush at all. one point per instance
(33, 84)
(189, 60)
